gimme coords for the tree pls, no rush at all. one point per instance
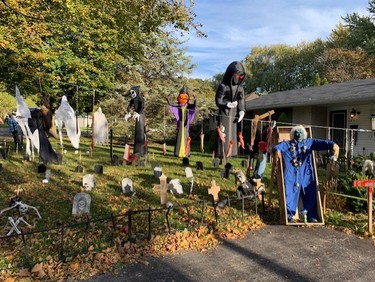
(86, 43)
(341, 65)
(362, 30)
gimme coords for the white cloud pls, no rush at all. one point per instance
(233, 27)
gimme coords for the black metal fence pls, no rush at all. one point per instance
(100, 233)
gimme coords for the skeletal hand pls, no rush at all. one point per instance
(232, 105)
(241, 115)
(127, 116)
(136, 116)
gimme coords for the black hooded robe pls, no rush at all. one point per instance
(229, 90)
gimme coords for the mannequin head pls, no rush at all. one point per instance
(298, 133)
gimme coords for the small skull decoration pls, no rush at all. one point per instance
(23, 208)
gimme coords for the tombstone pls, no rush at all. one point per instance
(48, 174)
(175, 187)
(81, 204)
(214, 191)
(199, 165)
(154, 164)
(157, 171)
(98, 169)
(2, 153)
(244, 163)
(26, 158)
(190, 177)
(226, 171)
(1, 167)
(78, 169)
(162, 188)
(215, 162)
(185, 161)
(42, 168)
(115, 160)
(59, 159)
(88, 182)
(127, 186)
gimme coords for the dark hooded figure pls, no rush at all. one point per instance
(184, 114)
(137, 103)
(41, 120)
(230, 101)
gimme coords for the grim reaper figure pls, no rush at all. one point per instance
(137, 103)
(230, 101)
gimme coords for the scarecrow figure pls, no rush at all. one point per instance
(299, 174)
(184, 114)
(137, 103)
(230, 101)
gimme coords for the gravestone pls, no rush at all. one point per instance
(42, 168)
(226, 171)
(175, 187)
(127, 186)
(1, 167)
(78, 169)
(98, 169)
(162, 188)
(215, 162)
(115, 160)
(154, 164)
(244, 163)
(81, 204)
(190, 177)
(88, 181)
(157, 172)
(185, 161)
(214, 191)
(199, 165)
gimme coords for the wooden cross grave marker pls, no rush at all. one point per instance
(214, 191)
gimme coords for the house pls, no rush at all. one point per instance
(343, 112)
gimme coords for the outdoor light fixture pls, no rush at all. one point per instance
(353, 113)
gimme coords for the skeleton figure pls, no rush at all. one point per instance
(15, 203)
(251, 187)
(245, 188)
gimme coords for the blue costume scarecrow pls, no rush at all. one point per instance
(299, 172)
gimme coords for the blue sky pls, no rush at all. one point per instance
(233, 27)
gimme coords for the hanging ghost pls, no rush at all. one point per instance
(65, 115)
(23, 115)
(184, 113)
(99, 128)
(137, 104)
(231, 103)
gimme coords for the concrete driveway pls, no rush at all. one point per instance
(274, 253)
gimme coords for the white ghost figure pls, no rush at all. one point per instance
(176, 187)
(100, 128)
(66, 115)
(88, 182)
(22, 115)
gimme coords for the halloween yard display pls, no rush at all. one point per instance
(297, 177)
(137, 104)
(230, 101)
(184, 113)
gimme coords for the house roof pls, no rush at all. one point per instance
(349, 92)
